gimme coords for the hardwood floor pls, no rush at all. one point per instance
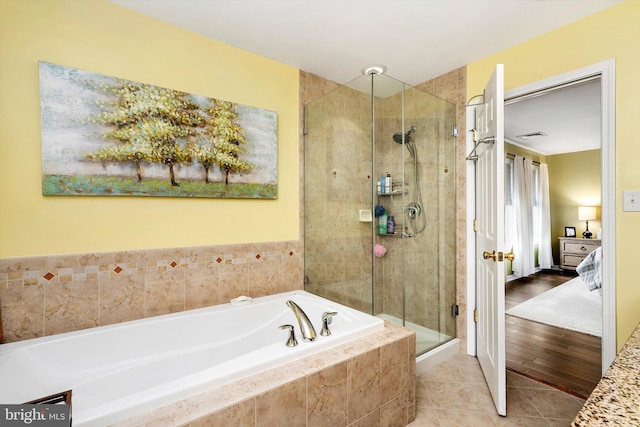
(565, 359)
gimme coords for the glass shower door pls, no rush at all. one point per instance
(337, 193)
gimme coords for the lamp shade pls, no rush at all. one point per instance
(586, 213)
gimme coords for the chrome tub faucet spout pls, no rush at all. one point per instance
(306, 327)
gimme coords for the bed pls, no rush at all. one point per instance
(590, 270)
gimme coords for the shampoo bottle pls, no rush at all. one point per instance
(387, 183)
(391, 225)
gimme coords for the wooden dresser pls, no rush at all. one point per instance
(573, 250)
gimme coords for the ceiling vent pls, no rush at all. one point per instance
(531, 135)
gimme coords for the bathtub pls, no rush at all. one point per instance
(120, 371)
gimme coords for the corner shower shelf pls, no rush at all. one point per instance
(393, 193)
(398, 234)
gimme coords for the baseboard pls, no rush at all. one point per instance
(438, 355)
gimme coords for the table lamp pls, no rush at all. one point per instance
(585, 213)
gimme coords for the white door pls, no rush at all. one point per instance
(490, 273)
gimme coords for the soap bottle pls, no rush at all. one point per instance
(382, 224)
(382, 184)
(391, 224)
(387, 183)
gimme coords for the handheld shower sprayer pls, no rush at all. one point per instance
(406, 138)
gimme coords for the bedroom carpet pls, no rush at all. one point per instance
(569, 306)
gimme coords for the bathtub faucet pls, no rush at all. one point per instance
(306, 327)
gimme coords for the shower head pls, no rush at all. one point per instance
(398, 137)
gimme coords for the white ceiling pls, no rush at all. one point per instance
(416, 40)
(570, 118)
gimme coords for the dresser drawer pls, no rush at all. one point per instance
(584, 248)
(573, 250)
(571, 260)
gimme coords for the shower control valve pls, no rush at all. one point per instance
(327, 318)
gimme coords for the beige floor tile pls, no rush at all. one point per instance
(454, 393)
(443, 372)
(516, 380)
(471, 372)
(519, 404)
(426, 417)
(558, 423)
(520, 421)
(554, 404)
(451, 417)
(460, 396)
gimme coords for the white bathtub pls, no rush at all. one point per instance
(119, 371)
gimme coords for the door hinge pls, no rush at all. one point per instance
(475, 315)
(475, 225)
(455, 310)
(454, 131)
(305, 131)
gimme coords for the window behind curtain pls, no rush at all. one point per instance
(509, 210)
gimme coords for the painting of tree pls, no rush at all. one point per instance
(149, 122)
(135, 130)
(227, 138)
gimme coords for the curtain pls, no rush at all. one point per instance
(523, 264)
(545, 257)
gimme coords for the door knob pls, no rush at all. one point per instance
(487, 255)
(510, 256)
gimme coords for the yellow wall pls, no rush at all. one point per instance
(612, 33)
(104, 38)
(574, 180)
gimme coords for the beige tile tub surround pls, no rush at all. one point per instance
(356, 384)
(48, 295)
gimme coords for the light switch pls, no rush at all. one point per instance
(631, 201)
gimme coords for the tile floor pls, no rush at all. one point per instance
(454, 393)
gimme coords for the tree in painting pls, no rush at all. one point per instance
(224, 140)
(152, 124)
(205, 154)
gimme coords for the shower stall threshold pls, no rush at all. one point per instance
(432, 347)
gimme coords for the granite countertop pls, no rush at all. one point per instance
(616, 399)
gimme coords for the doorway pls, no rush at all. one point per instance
(553, 318)
(606, 71)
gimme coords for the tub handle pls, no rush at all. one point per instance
(291, 342)
(327, 317)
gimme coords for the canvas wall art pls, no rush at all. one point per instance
(106, 136)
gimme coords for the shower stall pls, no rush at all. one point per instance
(377, 148)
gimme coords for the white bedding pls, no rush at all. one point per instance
(590, 270)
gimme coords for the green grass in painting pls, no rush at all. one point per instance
(61, 185)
